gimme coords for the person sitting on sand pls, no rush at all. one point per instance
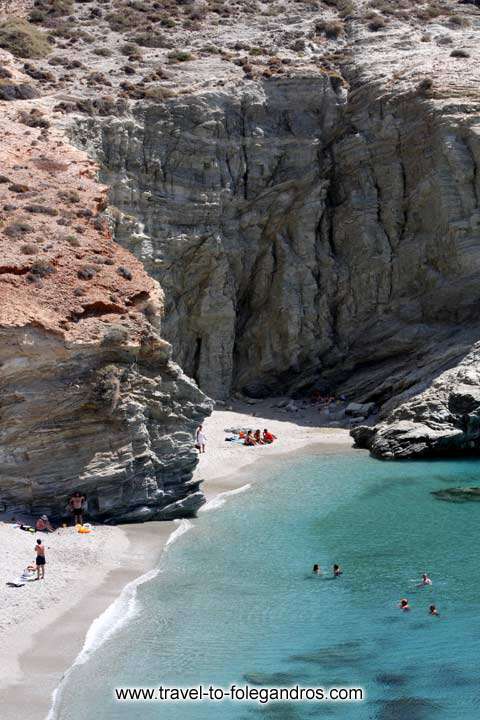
(76, 503)
(404, 605)
(43, 524)
(433, 611)
(317, 570)
(40, 560)
(258, 437)
(425, 580)
(268, 437)
(249, 439)
(337, 571)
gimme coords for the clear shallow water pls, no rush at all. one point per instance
(235, 600)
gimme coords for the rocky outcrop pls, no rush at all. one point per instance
(90, 398)
(443, 420)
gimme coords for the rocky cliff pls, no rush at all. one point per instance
(313, 226)
(90, 398)
(302, 180)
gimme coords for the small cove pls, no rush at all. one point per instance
(234, 601)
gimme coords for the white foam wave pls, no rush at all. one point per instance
(117, 614)
(221, 498)
(183, 527)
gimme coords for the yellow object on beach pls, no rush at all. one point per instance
(83, 530)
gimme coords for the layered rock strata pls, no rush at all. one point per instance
(90, 399)
(443, 420)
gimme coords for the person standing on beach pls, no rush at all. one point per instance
(40, 560)
(200, 439)
(76, 506)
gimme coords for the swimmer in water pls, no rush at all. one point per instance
(425, 580)
(317, 570)
(337, 571)
(404, 605)
(433, 611)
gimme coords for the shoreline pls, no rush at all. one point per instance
(35, 671)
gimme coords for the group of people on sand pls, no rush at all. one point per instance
(248, 438)
(76, 505)
(251, 438)
(403, 604)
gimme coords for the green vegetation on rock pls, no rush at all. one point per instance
(23, 39)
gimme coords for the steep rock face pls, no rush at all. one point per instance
(303, 235)
(90, 398)
(230, 189)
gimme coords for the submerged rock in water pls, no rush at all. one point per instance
(468, 494)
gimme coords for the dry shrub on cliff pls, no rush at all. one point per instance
(34, 118)
(29, 249)
(458, 21)
(344, 7)
(41, 210)
(10, 90)
(123, 21)
(23, 39)
(376, 23)
(17, 230)
(109, 377)
(87, 273)
(42, 268)
(179, 56)
(130, 49)
(152, 40)
(50, 8)
(103, 51)
(115, 335)
(424, 86)
(158, 92)
(69, 196)
(332, 29)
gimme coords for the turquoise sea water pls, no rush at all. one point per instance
(235, 601)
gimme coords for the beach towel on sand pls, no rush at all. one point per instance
(25, 577)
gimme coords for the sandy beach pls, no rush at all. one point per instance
(43, 624)
(220, 464)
